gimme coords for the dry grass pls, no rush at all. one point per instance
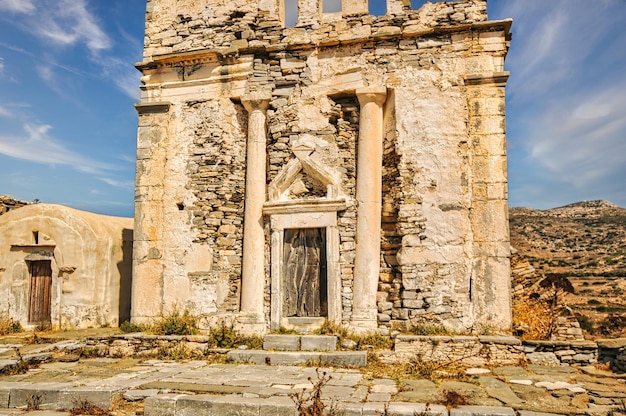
(417, 369)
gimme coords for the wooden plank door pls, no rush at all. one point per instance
(304, 273)
(40, 291)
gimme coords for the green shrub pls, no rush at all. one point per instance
(176, 323)
(430, 329)
(129, 327)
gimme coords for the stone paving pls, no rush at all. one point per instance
(134, 386)
(197, 387)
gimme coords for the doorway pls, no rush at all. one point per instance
(40, 291)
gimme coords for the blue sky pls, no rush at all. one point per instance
(68, 85)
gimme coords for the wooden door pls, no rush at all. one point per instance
(304, 273)
(40, 291)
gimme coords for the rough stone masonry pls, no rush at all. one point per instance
(351, 168)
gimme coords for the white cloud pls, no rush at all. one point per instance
(581, 137)
(1, 66)
(36, 145)
(123, 74)
(68, 22)
(119, 184)
(17, 6)
(4, 112)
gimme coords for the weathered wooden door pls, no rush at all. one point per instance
(40, 291)
(304, 273)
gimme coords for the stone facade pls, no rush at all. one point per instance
(385, 134)
(64, 267)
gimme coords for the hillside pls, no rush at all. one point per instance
(581, 238)
(586, 242)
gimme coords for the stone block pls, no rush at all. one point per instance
(345, 358)
(97, 395)
(482, 411)
(278, 406)
(281, 342)
(411, 409)
(46, 394)
(318, 343)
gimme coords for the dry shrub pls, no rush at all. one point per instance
(455, 399)
(534, 319)
(85, 407)
(8, 325)
(310, 403)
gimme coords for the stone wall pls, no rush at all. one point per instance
(7, 204)
(465, 351)
(434, 77)
(492, 350)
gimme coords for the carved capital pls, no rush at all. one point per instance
(254, 102)
(366, 95)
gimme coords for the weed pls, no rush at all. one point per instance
(85, 407)
(310, 403)
(20, 367)
(374, 340)
(429, 329)
(224, 335)
(8, 325)
(129, 327)
(281, 330)
(330, 328)
(454, 399)
(178, 352)
(176, 323)
(33, 402)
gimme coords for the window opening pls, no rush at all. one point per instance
(36, 237)
(377, 7)
(291, 13)
(331, 6)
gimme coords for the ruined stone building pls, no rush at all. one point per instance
(349, 168)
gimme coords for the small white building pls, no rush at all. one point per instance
(65, 267)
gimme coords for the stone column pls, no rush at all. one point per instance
(351, 7)
(253, 271)
(369, 205)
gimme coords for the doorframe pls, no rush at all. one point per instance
(323, 216)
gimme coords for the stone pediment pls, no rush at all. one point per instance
(303, 170)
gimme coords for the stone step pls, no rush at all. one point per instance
(172, 404)
(316, 358)
(279, 342)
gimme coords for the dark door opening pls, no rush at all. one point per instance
(40, 291)
(304, 273)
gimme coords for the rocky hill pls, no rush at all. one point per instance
(584, 244)
(585, 238)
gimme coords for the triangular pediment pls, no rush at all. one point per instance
(303, 177)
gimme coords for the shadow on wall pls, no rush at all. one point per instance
(126, 275)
